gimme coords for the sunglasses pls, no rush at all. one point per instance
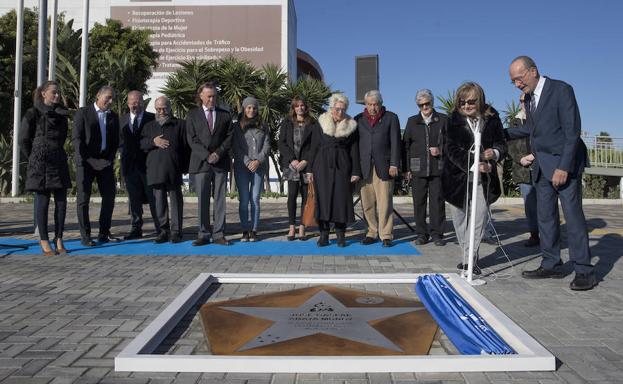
(427, 104)
(468, 102)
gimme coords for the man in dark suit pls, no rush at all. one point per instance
(380, 152)
(95, 138)
(559, 158)
(133, 164)
(209, 135)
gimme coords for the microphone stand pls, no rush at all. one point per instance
(472, 216)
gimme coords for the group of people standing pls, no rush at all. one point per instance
(336, 153)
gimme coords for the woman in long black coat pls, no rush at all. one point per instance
(471, 113)
(42, 136)
(333, 167)
(294, 134)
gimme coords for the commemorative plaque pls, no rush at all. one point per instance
(318, 321)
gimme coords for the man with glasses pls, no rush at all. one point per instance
(422, 164)
(379, 149)
(553, 125)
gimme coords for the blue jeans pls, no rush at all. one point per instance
(250, 186)
(528, 192)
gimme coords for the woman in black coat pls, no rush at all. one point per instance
(294, 133)
(42, 136)
(471, 113)
(333, 167)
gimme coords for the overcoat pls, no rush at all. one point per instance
(459, 141)
(417, 141)
(42, 136)
(165, 166)
(333, 157)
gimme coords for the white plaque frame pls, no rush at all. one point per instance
(137, 356)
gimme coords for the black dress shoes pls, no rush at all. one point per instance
(224, 241)
(583, 282)
(162, 237)
(542, 273)
(176, 238)
(476, 270)
(107, 237)
(201, 241)
(439, 242)
(87, 242)
(133, 235)
(368, 240)
(421, 240)
(387, 243)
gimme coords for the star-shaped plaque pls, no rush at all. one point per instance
(322, 320)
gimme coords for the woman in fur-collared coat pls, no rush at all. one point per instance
(470, 114)
(333, 167)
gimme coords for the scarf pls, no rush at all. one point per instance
(372, 120)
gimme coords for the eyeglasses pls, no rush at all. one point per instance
(520, 78)
(339, 109)
(468, 102)
(427, 104)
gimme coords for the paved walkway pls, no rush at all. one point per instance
(63, 319)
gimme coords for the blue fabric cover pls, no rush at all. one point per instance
(469, 332)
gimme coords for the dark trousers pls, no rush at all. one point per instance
(136, 184)
(570, 196)
(42, 203)
(428, 188)
(85, 175)
(162, 207)
(324, 226)
(294, 188)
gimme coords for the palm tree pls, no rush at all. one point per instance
(181, 86)
(510, 113)
(314, 91)
(447, 103)
(237, 79)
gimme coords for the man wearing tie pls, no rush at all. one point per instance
(209, 136)
(133, 167)
(558, 160)
(95, 138)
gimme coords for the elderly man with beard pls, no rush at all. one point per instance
(164, 140)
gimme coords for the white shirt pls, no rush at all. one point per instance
(101, 116)
(132, 117)
(537, 91)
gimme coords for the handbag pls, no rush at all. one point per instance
(308, 218)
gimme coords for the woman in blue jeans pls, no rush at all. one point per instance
(251, 147)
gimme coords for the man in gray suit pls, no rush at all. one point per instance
(559, 158)
(209, 133)
(379, 151)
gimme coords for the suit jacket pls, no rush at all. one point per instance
(132, 156)
(380, 144)
(203, 143)
(87, 137)
(554, 129)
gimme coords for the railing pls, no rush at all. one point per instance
(604, 151)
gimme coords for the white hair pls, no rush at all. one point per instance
(338, 98)
(425, 94)
(375, 94)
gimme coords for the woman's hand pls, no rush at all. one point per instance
(301, 165)
(253, 165)
(484, 167)
(354, 179)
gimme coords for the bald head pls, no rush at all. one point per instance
(135, 102)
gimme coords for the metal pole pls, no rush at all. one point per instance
(472, 217)
(42, 41)
(53, 27)
(84, 53)
(17, 101)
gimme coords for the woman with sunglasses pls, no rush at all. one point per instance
(463, 161)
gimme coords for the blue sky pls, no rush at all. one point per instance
(440, 44)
